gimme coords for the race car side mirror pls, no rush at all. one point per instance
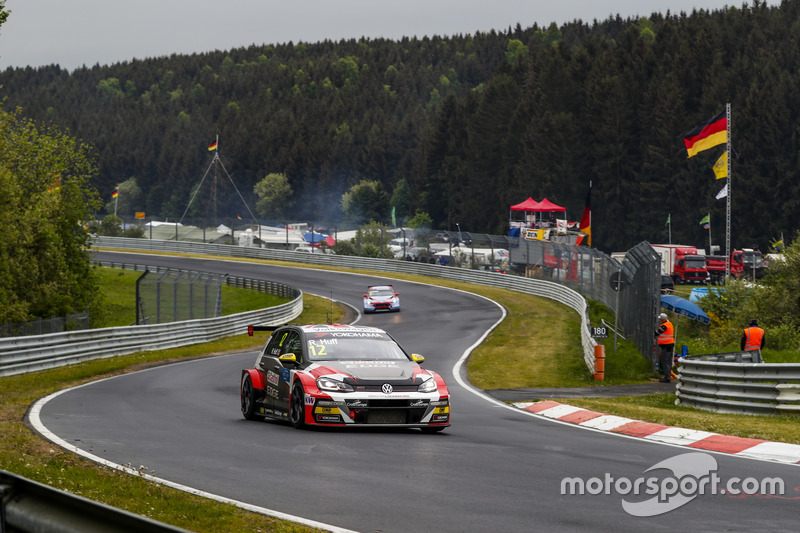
(288, 358)
(417, 358)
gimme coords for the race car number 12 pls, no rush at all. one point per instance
(317, 350)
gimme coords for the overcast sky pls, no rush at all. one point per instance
(74, 33)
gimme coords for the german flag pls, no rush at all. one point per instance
(586, 220)
(115, 193)
(707, 135)
(212, 146)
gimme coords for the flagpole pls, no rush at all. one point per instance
(710, 249)
(589, 241)
(728, 204)
(669, 227)
(116, 200)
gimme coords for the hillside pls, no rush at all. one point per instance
(472, 123)
(327, 114)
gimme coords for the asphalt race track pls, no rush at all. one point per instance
(495, 469)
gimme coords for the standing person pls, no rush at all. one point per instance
(665, 336)
(753, 337)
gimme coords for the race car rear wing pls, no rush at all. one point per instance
(251, 329)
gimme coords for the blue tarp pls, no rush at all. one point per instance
(701, 292)
(317, 237)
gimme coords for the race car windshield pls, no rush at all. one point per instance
(354, 349)
(380, 293)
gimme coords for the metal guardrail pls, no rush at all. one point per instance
(728, 383)
(536, 287)
(19, 355)
(30, 507)
(728, 357)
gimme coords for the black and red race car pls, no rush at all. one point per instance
(339, 375)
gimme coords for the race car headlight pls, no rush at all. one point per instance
(333, 385)
(428, 386)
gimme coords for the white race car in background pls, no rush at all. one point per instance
(381, 298)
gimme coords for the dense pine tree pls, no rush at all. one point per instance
(473, 124)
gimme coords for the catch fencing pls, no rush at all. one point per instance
(177, 295)
(638, 280)
(184, 302)
(40, 326)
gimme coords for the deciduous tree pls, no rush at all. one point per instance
(274, 196)
(47, 203)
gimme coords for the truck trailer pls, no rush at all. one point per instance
(682, 263)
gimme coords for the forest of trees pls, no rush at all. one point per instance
(465, 125)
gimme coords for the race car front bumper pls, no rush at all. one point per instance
(403, 412)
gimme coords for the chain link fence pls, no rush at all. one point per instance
(178, 295)
(43, 326)
(639, 281)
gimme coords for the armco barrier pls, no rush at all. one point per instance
(537, 287)
(30, 507)
(739, 387)
(19, 355)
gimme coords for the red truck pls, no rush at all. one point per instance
(744, 263)
(682, 263)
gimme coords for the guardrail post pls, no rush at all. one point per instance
(599, 362)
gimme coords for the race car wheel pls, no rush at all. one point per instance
(248, 397)
(297, 409)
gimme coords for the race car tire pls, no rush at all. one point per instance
(248, 399)
(297, 407)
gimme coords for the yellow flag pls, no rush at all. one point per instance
(721, 166)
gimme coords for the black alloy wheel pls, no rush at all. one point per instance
(297, 408)
(248, 399)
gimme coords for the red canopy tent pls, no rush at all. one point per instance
(532, 206)
(545, 206)
(528, 205)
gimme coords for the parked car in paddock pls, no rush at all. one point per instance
(381, 298)
(493, 268)
(667, 284)
(340, 375)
